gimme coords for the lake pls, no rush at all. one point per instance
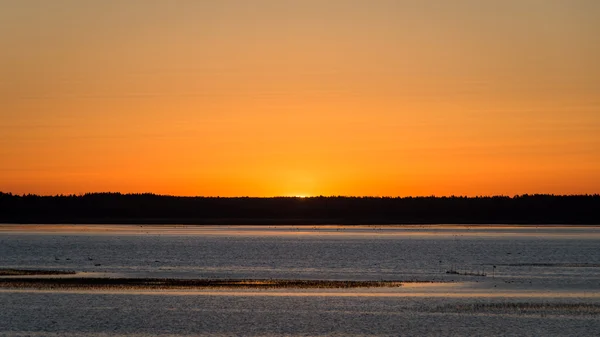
(539, 280)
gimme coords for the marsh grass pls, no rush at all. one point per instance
(560, 265)
(33, 272)
(523, 308)
(148, 283)
(453, 271)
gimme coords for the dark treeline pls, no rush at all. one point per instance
(158, 209)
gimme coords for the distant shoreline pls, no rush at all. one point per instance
(147, 209)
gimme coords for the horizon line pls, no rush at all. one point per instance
(299, 196)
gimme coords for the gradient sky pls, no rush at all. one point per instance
(300, 97)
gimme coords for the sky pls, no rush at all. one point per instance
(300, 97)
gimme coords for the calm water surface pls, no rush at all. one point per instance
(546, 280)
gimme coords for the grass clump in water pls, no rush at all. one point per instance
(33, 272)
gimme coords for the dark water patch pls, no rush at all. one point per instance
(154, 283)
(32, 272)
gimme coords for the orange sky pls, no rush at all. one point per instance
(300, 97)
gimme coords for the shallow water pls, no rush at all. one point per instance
(546, 280)
(77, 314)
(554, 256)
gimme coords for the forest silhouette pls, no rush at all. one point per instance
(113, 208)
